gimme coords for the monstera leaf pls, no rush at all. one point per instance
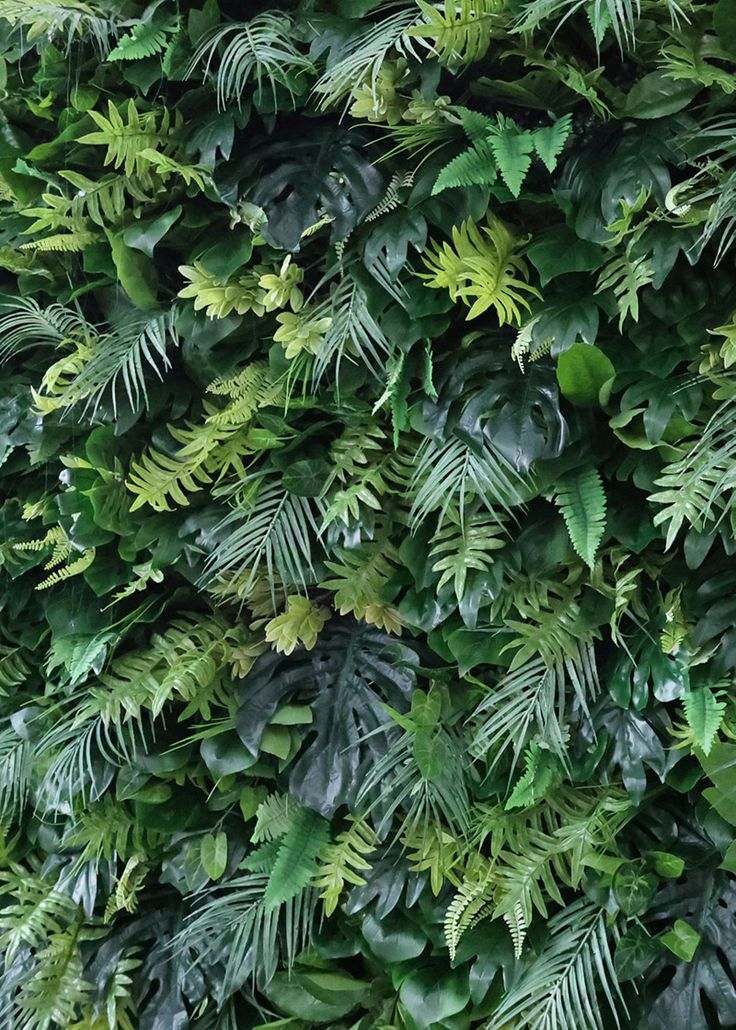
(346, 678)
(316, 175)
(520, 415)
(705, 985)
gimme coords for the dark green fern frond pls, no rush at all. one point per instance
(296, 861)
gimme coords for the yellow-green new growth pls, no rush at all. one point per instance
(483, 269)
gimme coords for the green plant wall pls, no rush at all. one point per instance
(367, 515)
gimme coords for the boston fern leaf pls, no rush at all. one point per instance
(482, 268)
(582, 503)
(457, 31)
(704, 713)
(144, 40)
(296, 860)
(565, 987)
(474, 167)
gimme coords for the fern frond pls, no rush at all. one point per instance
(582, 503)
(166, 166)
(343, 861)
(359, 580)
(517, 928)
(63, 243)
(472, 902)
(75, 568)
(474, 167)
(106, 199)
(273, 817)
(626, 276)
(145, 39)
(704, 714)
(296, 860)
(460, 548)
(458, 32)
(483, 269)
(390, 201)
(126, 137)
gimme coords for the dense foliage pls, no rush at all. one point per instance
(368, 497)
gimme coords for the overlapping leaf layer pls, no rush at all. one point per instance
(368, 514)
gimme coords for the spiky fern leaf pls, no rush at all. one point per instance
(582, 503)
(296, 861)
(459, 32)
(126, 137)
(625, 276)
(342, 862)
(463, 547)
(483, 269)
(560, 989)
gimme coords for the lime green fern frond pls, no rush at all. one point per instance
(484, 269)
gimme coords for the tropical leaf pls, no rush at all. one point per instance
(582, 503)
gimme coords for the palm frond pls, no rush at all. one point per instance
(564, 987)
(453, 473)
(360, 62)
(28, 325)
(260, 51)
(274, 529)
